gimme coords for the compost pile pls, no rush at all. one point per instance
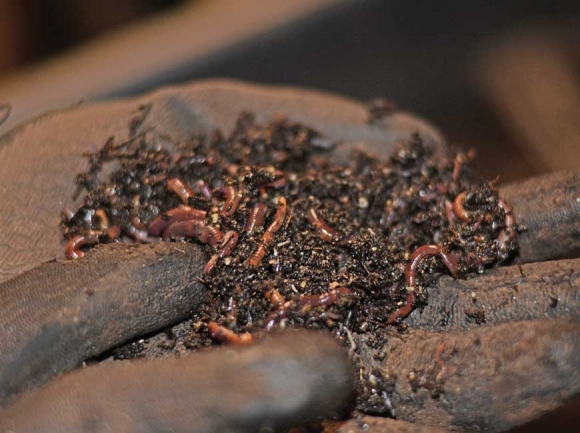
(291, 239)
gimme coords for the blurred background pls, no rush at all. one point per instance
(501, 77)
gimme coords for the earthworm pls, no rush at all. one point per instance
(211, 263)
(403, 311)
(233, 196)
(323, 230)
(428, 250)
(277, 222)
(324, 299)
(73, 250)
(194, 229)
(208, 234)
(256, 217)
(228, 244)
(258, 255)
(184, 213)
(222, 334)
(459, 207)
(280, 313)
(275, 298)
(411, 277)
(181, 189)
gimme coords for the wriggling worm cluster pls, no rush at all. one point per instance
(291, 239)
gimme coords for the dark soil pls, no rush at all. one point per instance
(336, 241)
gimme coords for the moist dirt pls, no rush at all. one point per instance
(291, 240)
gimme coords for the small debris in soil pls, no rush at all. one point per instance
(291, 239)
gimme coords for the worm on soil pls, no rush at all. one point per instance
(324, 299)
(194, 229)
(183, 213)
(183, 191)
(279, 217)
(459, 207)
(403, 311)
(256, 218)
(233, 197)
(411, 277)
(222, 334)
(275, 298)
(73, 246)
(229, 243)
(428, 250)
(323, 230)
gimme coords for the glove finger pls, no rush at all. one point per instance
(57, 315)
(502, 295)
(290, 380)
(484, 379)
(549, 208)
(40, 159)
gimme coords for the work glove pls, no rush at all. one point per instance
(56, 316)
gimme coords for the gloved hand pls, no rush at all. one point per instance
(56, 315)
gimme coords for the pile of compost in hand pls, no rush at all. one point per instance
(292, 240)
